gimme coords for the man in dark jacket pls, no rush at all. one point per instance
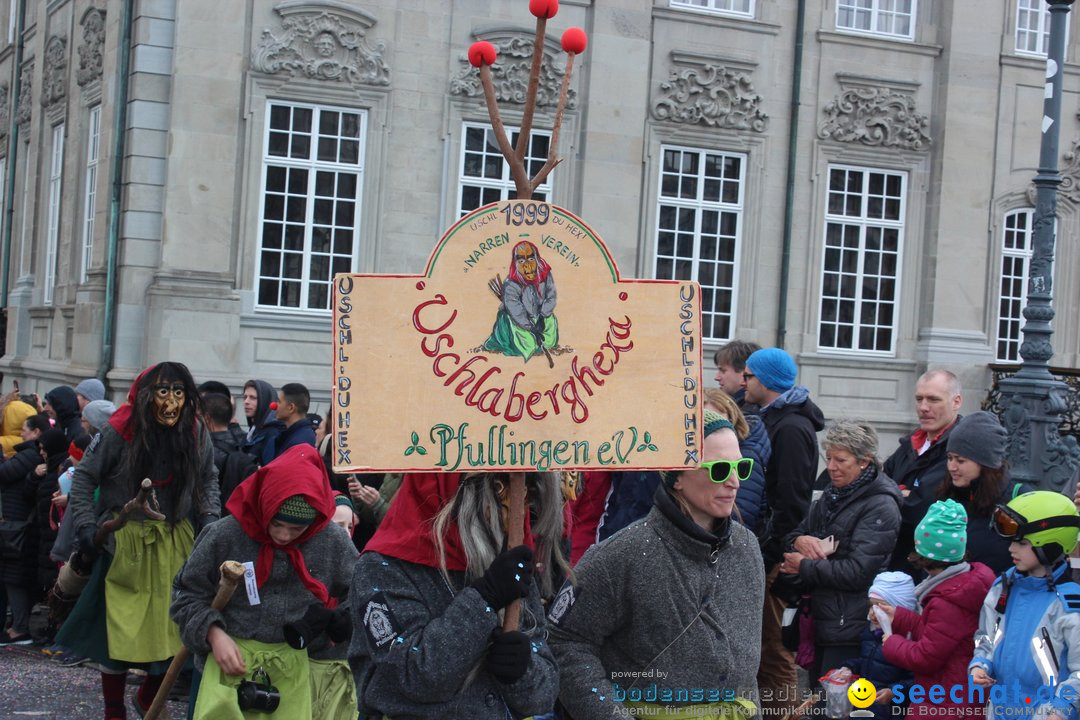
(292, 410)
(62, 405)
(919, 465)
(233, 464)
(792, 421)
(263, 425)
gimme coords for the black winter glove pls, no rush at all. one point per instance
(85, 536)
(507, 578)
(340, 626)
(508, 657)
(299, 634)
(204, 520)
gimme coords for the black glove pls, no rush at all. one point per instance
(340, 626)
(508, 657)
(299, 634)
(204, 520)
(87, 547)
(507, 578)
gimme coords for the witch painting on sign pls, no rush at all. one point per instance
(526, 323)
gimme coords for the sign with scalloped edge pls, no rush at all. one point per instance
(519, 348)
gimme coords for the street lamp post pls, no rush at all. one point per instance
(1033, 400)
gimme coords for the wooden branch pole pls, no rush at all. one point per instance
(530, 95)
(516, 536)
(517, 169)
(139, 502)
(553, 147)
(232, 573)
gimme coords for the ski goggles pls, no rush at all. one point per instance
(720, 470)
(1010, 524)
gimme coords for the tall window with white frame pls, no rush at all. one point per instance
(864, 234)
(699, 220)
(313, 169)
(889, 18)
(741, 8)
(1015, 258)
(93, 134)
(485, 174)
(1033, 27)
(52, 239)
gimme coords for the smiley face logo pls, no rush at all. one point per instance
(862, 693)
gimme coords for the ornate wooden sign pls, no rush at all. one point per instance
(519, 348)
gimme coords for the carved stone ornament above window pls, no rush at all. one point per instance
(25, 108)
(510, 73)
(321, 42)
(710, 94)
(90, 52)
(54, 79)
(875, 116)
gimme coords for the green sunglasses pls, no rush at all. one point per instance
(720, 470)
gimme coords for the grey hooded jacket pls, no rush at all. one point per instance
(418, 647)
(660, 606)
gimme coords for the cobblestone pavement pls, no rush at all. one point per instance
(33, 686)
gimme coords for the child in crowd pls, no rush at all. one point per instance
(279, 522)
(896, 589)
(1030, 620)
(936, 644)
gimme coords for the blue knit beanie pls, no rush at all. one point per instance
(895, 588)
(774, 368)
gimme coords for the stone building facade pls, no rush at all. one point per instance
(267, 145)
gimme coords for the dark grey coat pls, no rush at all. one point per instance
(329, 557)
(416, 643)
(660, 596)
(864, 526)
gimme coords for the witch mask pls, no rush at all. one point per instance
(169, 400)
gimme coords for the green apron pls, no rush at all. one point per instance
(333, 689)
(138, 588)
(288, 671)
(737, 709)
(510, 339)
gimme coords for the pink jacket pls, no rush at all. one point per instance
(941, 639)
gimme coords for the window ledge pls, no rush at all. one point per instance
(852, 358)
(286, 321)
(1035, 62)
(730, 22)
(880, 42)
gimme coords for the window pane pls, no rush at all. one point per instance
(484, 176)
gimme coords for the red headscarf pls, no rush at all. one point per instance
(406, 531)
(121, 420)
(254, 503)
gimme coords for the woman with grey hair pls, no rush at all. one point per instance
(845, 540)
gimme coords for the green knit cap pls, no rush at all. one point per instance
(296, 510)
(942, 534)
(713, 421)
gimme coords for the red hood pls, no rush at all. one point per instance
(406, 531)
(297, 471)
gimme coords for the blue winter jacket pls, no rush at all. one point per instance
(751, 497)
(1003, 643)
(629, 500)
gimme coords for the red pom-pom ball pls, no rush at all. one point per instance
(544, 8)
(273, 406)
(574, 40)
(481, 53)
